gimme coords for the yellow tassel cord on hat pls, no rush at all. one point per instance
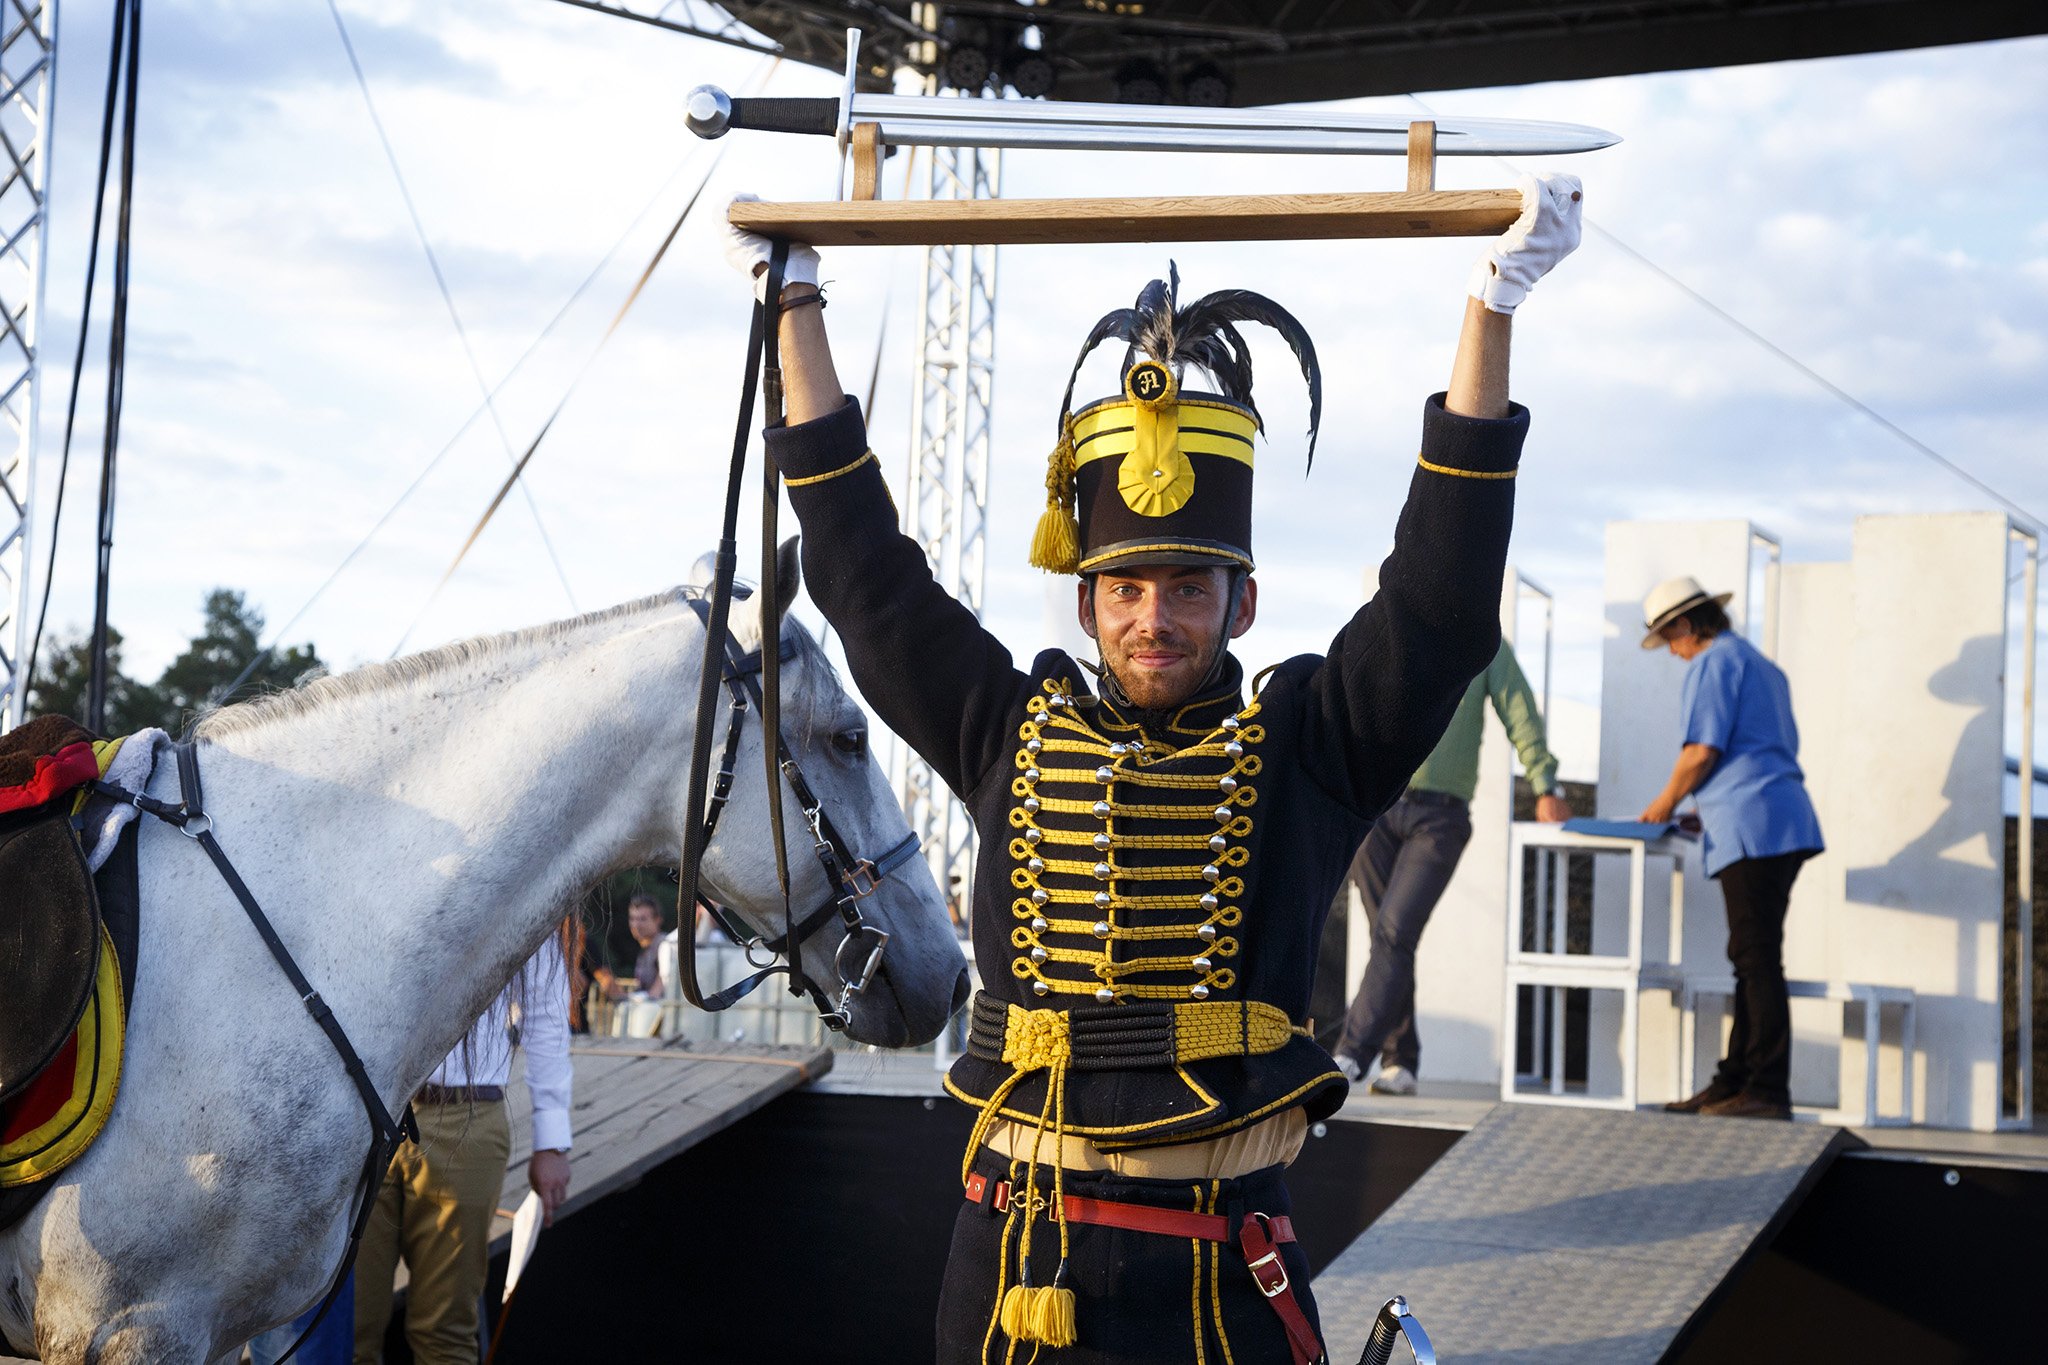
(1056, 546)
(1040, 1314)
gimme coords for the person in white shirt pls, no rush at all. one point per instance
(436, 1204)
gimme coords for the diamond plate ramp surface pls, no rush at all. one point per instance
(1572, 1235)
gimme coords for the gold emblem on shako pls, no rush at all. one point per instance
(1149, 384)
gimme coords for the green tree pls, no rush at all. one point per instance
(63, 672)
(229, 638)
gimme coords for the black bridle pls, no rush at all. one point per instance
(754, 682)
(850, 879)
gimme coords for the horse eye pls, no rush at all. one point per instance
(852, 743)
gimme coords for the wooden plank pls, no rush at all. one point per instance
(1194, 218)
(637, 1104)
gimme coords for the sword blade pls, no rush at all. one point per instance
(1470, 138)
(1178, 127)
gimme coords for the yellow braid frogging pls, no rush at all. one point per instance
(1056, 546)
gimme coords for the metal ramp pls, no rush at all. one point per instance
(1552, 1236)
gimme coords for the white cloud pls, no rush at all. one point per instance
(294, 369)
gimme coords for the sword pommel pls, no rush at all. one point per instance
(708, 111)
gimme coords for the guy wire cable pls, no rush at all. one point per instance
(447, 297)
(519, 466)
(1780, 353)
(92, 261)
(756, 81)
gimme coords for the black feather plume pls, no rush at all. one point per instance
(1205, 334)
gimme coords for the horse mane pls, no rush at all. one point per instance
(318, 693)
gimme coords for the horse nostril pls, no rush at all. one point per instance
(962, 988)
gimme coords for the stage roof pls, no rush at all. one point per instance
(1298, 50)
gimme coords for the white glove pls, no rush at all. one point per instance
(1546, 233)
(749, 252)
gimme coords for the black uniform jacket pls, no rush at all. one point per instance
(1150, 873)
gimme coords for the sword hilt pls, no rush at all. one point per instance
(1394, 1323)
(710, 112)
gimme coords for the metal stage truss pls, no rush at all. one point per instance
(948, 477)
(27, 60)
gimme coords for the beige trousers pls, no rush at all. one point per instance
(434, 1211)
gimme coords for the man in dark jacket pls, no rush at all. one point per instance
(1157, 853)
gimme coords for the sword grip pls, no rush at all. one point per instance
(786, 114)
(710, 112)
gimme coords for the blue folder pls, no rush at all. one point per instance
(1620, 829)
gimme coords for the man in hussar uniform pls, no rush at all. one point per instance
(1158, 850)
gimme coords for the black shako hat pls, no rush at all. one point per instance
(1159, 474)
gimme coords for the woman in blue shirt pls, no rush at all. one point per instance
(1740, 763)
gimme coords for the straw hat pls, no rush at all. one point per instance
(1672, 599)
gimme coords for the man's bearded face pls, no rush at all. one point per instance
(1161, 627)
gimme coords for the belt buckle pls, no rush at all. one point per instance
(862, 879)
(1272, 1289)
(1269, 1272)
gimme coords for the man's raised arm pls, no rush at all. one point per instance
(1397, 669)
(922, 660)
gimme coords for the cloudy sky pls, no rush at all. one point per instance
(292, 369)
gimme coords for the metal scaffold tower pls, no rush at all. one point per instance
(951, 396)
(27, 63)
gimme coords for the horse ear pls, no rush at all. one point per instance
(702, 572)
(788, 577)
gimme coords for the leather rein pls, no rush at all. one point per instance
(851, 878)
(753, 681)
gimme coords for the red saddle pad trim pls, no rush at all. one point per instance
(38, 1102)
(55, 774)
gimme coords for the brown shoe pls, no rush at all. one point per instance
(1746, 1106)
(1714, 1093)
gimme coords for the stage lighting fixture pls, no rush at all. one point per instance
(1030, 71)
(1139, 81)
(1206, 85)
(967, 66)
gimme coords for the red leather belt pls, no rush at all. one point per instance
(1259, 1238)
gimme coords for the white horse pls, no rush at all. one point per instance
(414, 830)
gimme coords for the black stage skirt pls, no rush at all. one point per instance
(1141, 1297)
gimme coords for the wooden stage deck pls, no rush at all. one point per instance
(638, 1102)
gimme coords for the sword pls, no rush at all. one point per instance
(865, 125)
(925, 121)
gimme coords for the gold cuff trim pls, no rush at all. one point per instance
(1457, 473)
(810, 479)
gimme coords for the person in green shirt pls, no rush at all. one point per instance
(1406, 861)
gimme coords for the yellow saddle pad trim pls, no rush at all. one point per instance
(95, 1077)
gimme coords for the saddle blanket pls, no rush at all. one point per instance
(48, 1122)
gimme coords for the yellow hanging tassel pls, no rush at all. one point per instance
(1052, 1316)
(1040, 1313)
(1016, 1318)
(1056, 546)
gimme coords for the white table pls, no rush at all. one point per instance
(1549, 967)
